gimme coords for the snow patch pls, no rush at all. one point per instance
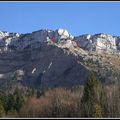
(49, 65)
(33, 71)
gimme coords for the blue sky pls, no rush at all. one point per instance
(77, 17)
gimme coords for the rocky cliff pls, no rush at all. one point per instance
(56, 58)
(98, 42)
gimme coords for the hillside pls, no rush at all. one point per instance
(56, 58)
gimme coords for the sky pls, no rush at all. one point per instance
(77, 17)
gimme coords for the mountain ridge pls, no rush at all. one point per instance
(98, 42)
(56, 58)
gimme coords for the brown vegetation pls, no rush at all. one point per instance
(55, 103)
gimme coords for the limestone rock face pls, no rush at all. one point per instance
(98, 42)
(6, 39)
(32, 40)
(105, 43)
(85, 42)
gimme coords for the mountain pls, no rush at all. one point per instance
(56, 58)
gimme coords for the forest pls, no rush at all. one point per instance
(94, 100)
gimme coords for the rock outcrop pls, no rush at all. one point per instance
(99, 43)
